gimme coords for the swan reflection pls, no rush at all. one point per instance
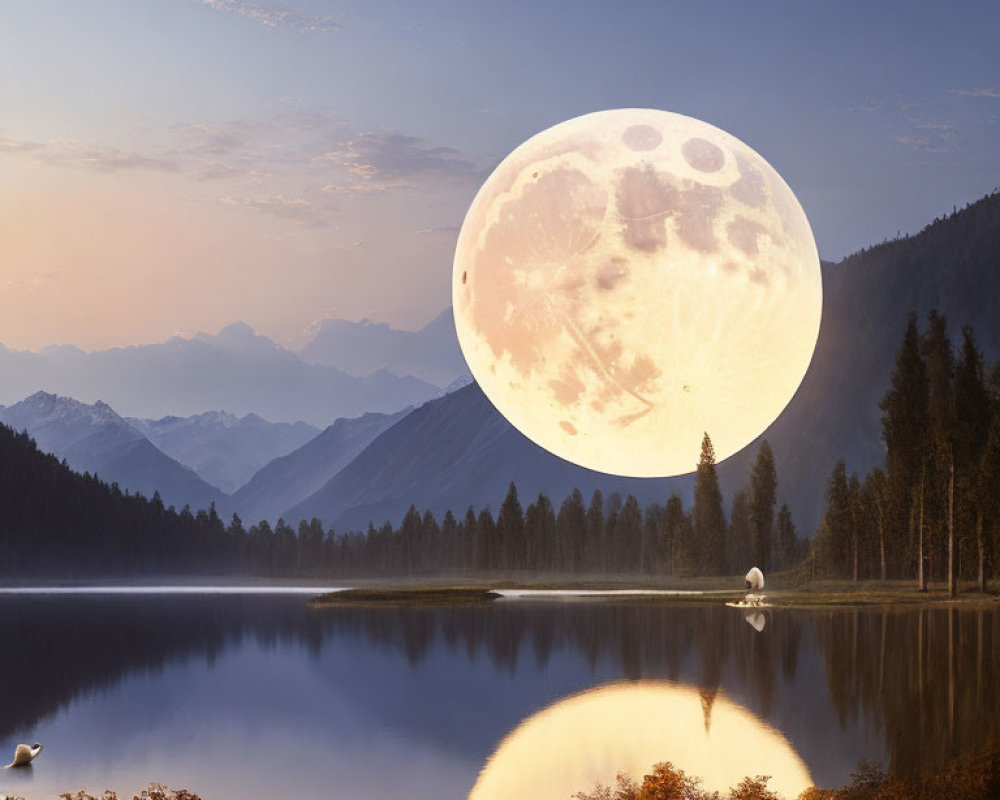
(756, 620)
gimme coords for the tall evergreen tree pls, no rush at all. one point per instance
(449, 540)
(430, 542)
(989, 502)
(972, 425)
(469, 540)
(941, 415)
(856, 516)
(411, 535)
(570, 525)
(762, 496)
(595, 551)
(833, 543)
(905, 432)
(487, 549)
(628, 534)
(787, 538)
(510, 529)
(741, 551)
(679, 532)
(708, 518)
(653, 520)
(674, 551)
(875, 492)
(540, 533)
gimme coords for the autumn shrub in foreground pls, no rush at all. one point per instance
(155, 791)
(975, 777)
(666, 782)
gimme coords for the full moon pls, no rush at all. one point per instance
(629, 280)
(628, 728)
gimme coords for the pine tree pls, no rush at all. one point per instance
(762, 496)
(875, 491)
(411, 540)
(741, 556)
(628, 534)
(570, 525)
(833, 543)
(671, 547)
(449, 540)
(540, 533)
(510, 529)
(430, 542)
(941, 414)
(787, 538)
(708, 518)
(595, 552)
(678, 535)
(855, 516)
(988, 486)
(905, 432)
(972, 425)
(653, 520)
(487, 551)
(469, 541)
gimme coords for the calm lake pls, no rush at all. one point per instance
(259, 696)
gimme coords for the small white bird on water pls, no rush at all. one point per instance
(24, 754)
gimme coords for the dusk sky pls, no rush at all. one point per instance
(169, 166)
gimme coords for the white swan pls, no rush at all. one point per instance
(755, 580)
(24, 754)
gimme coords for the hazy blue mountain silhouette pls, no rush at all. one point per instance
(288, 480)
(361, 348)
(224, 449)
(235, 370)
(452, 452)
(94, 439)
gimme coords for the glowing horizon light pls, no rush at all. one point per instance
(628, 280)
(628, 727)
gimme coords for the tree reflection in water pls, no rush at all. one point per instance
(926, 678)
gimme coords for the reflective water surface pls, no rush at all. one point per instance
(259, 696)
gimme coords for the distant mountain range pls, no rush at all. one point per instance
(288, 480)
(361, 348)
(94, 439)
(222, 448)
(235, 370)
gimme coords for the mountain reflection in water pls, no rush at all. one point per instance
(910, 688)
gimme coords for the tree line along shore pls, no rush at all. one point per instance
(930, 513)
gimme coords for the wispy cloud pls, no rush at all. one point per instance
(377, 162)
(19, 285)
(16, 146)
(275, 16)
(437, 230)
(931, 137)
(215, 139)
(105, 160)
(298, 209)
(87, 156)
(872, 105)
(985, 92)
